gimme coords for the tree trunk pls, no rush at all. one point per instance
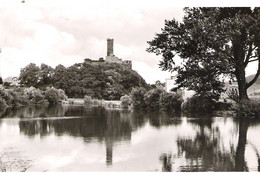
(241, 81)
(239, 54)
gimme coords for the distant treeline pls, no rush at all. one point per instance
(107, 81)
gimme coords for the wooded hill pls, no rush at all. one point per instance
(107, 81)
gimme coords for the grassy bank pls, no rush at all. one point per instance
(95, 102)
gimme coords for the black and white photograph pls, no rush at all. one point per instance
(129, 86)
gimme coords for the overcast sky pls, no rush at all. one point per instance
(68, 31)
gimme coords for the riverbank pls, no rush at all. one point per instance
(95, 102)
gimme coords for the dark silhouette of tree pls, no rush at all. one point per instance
(212, 42)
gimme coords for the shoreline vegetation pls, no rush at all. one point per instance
(94, 102)
(155, 99)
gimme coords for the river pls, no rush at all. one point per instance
(80, 138)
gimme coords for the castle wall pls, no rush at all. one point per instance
(113, 59)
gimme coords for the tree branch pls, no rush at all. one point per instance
(253, 60)
(248, 54)
(256, 75)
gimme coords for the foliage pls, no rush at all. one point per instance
(202, 103)
(62, 94)
(137, 96)
(87, 99)
(107, 81)
(3, 104)
(152, 99)
(232, 93)
(213, 43)
(248, 108)
(5, 96)
(35, 95)
(125, 101)
(156, 99)
(1, 80)
(54, 95)
(170, 101)
(17, 98)
(13, 97)
(29, 75)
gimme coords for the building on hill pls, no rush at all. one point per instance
(111, 58)
(171, 86)
(11, 81)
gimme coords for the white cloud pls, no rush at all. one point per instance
(66, 32)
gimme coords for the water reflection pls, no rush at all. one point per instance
(139, 141)
(204, 152)
(105, 126)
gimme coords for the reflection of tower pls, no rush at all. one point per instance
(110, 47)
(109, 151)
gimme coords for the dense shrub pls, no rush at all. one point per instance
(87, 99)
(125, 101)
(137, 96)
(170, 101)
(156, 99)
(54, 95)
(199, 104)
(152, 99)
(17, 98)
(248, 108)
(35, 95)
(3, 104)
(232, 93)
(13, 97)
(5, 96)
(63, 96)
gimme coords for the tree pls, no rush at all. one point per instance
(29, 75)
(125, 101)
(1, 80)
(54, 95)
(45, 75)
(213, 43)
(137, 96)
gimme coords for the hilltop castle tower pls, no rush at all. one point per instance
(111, 58)
(110, 47)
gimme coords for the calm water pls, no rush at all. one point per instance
(78, 138)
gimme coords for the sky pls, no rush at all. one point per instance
(68, 31)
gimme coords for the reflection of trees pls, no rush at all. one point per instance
(166, 160)
(159, 119)
(206, 153)
(89, 123)
(32, 111)
(240, 164)
(95, 124)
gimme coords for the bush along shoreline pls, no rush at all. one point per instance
(155, 99)
(17, 97)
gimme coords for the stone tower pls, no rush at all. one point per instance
(110, 47)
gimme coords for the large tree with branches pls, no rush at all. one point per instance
(213, 43)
